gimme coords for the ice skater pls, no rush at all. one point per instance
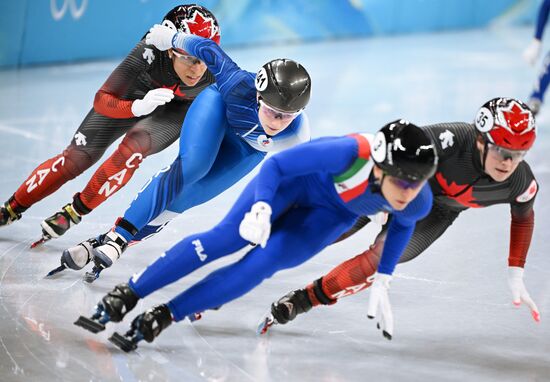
(301, 201)
(227, 132)
(480, 165)
(146, 99)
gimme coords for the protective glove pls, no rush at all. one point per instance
(531, 53)
(379, 299)
(152, 99)
(519, 292)
(160, 36)
(256, 225)
(379, 218)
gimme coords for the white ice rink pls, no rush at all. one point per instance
(454, 320)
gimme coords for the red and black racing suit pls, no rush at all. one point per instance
(144, 69)
(459, 183)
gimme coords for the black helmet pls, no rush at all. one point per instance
(284, 84)
(193, 19)
(404, 150)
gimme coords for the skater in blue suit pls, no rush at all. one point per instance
(227, 132)
(301, 201)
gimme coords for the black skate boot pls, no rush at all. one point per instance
(286, 309)
(9, 212)
(79, 256)
(57, 224)
(113, 307)
(147, 326)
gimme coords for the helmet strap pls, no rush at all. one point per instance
(377, 183)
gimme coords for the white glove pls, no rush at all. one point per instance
(379, 299)
(152, 99)
(531, 53)
(160, 36)
(379, 218)
(519, 292)
(256, 225)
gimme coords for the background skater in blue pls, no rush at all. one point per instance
(531, 55)
(228, 130)
(302, 199)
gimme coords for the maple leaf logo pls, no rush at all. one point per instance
(200, 25)
(516, 119)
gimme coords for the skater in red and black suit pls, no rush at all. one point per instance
(480, 165)
(146, 99)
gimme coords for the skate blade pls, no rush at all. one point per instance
(122, 342)
(41, 241)
(55, 271)
(89, 324)
(264, 324)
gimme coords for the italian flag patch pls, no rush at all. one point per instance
(354, 181)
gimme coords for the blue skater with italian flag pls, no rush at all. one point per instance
(301, 201)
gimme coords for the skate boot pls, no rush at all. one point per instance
(10, 212)
(286, 309)
(104, 255)
(79, 256)
(147, 326)
(113, 307)
(57, 224)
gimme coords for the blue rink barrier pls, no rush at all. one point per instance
(48, 31)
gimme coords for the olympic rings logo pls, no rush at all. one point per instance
(76, 12)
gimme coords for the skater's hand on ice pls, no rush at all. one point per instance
(379, 300)
(161, 36)
(519, 292)
(380, 218)
(256, 225)
(152, 99)
(531, 53)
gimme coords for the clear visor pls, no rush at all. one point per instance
(186, 59)
(271, 112)
(503, 154)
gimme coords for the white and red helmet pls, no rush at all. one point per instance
(193, 19)
(507, 122)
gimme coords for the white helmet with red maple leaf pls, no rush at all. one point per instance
(193, 19)
(507, 122)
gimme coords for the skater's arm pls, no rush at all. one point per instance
(325, 155)
(110, 100)
(226, 71)
(522, 214)
(401, 228)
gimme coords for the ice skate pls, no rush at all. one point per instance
(112, 246)
(265, 323)
(285, 310)
(79, 256)
(8, 215)
(113, 307)
(57, 224)
(147, 326)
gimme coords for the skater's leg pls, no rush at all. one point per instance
(234, 161)
(297, 235)
(201, 136)
(199, 249)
